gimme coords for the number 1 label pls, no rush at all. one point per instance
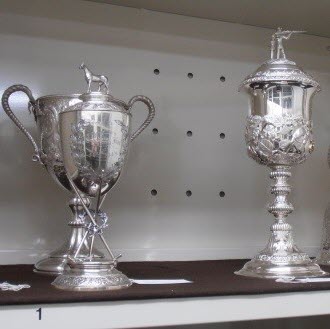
(39, 311)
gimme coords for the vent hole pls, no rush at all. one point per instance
(188, 193)
(189, 133)
(222, 194)
(190, 75)
(222, 79)
(222, 135)
(154, 192)
(155, 131)
(156, 71)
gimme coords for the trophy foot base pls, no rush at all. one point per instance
(56, 262)
(297, 265)
(50, 266)
(323, 258)
(91, 275)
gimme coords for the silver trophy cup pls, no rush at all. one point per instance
(95, 135)
(279, 135)
(48, 152)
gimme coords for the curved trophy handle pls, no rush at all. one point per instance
(12, 116)
(151, 115)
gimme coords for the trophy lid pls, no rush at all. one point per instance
(280, 69)
(101, 97)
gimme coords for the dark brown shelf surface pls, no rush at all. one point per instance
(210, 278)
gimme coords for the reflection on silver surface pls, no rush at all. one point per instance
(279, 135)
(280, 98)
(97, 140)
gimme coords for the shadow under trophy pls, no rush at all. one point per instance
(48, 153)
(279, 135)
(95, 135)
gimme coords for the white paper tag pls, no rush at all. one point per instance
(13, 287)
(305, 280)
(162, 281)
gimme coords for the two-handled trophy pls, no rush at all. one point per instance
(48, 152)
(95, 135)
(279, 135)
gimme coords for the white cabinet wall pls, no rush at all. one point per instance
(42, 45)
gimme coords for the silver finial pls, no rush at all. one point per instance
(90, 77)
(277, 42)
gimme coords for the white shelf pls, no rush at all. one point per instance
(313, 16)
(166, 312)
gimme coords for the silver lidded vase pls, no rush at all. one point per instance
(95, 136)
(47, 151)
(279, 135)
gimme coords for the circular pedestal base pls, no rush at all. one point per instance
(56, 262)
(91, 276)
(50, 266)
(270, 269)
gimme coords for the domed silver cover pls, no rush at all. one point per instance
(279, 68)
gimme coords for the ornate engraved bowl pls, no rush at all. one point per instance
(95, 140)
(279, 128)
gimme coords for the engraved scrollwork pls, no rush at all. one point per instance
(290, 257)
(90, 281)
(49, 137)
(46, 113)
(278, 139)
(90, 145)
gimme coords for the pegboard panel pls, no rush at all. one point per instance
(189, 190)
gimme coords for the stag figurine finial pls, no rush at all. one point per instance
(90, 77)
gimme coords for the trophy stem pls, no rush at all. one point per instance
(86, 273)
(55, 263)
(281, 239)
(85, 206)
(281, 257)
